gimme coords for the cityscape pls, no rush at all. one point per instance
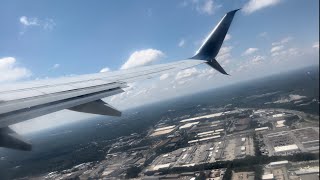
(186, 148)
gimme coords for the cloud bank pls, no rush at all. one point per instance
(11, 71)
(142, 58)
(255, 5)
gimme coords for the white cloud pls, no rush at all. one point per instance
(281, 50)
(186, 73)
(48, 24)
(183, 3)
(249, 64)
(202, 6)
(55, 66)
(316, 45)
(11, 71)
(29, 21)
(164, 76)
(255, 5)
(287, 53)
(208, 7)
(276, 48)
(228, 37)
(142, 58)
(263, 34)
(182, 42)
(257, 59)
(104, 70)
(250, 51)
(224, 55)
(282, 41)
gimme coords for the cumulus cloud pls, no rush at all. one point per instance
(182, 42)
(287, 53)
(257, 59)
(228, 37)
(186, 73)
(48, 24)
(142, 58)
(208, 7)
(224, 55)
(282, 41)
(249, 64)
(164, 76)
(202, 6)
(28, 22)
(281, 50)
(263, 34)
(276, 48)
(316, 45)
(55, 66)
(250, 51)
(255, 5)
(104, 70)
(11, 71)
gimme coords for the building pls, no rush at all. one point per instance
(277, 164)
(261, 129)
(267, 177)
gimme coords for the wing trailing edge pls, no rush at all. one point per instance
(97, 107)
(211, 46)
(10, 139)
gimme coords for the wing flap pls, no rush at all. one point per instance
(53, 97)
(10, 139)
(97, 107)
(26, 113)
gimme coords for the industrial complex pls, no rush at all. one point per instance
(187, 148)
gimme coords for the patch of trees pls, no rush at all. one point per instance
(291, 120)
(257, 145)
(133, 172)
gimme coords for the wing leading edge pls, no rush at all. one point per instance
(23, 101)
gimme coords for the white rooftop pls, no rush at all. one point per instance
(188, 125)
(267, 176)
(286, 148)
(161, 166)
(158, 133)
(201, 117)
(210, 134)
(207, 132)
(277, 115)
(164, 128)
(219, 130)
(261, 128)
(278, 163)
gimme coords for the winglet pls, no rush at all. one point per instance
(211, 46)
(214, 64)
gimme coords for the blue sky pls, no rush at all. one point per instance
(41, 39)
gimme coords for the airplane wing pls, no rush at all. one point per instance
(23, 101)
